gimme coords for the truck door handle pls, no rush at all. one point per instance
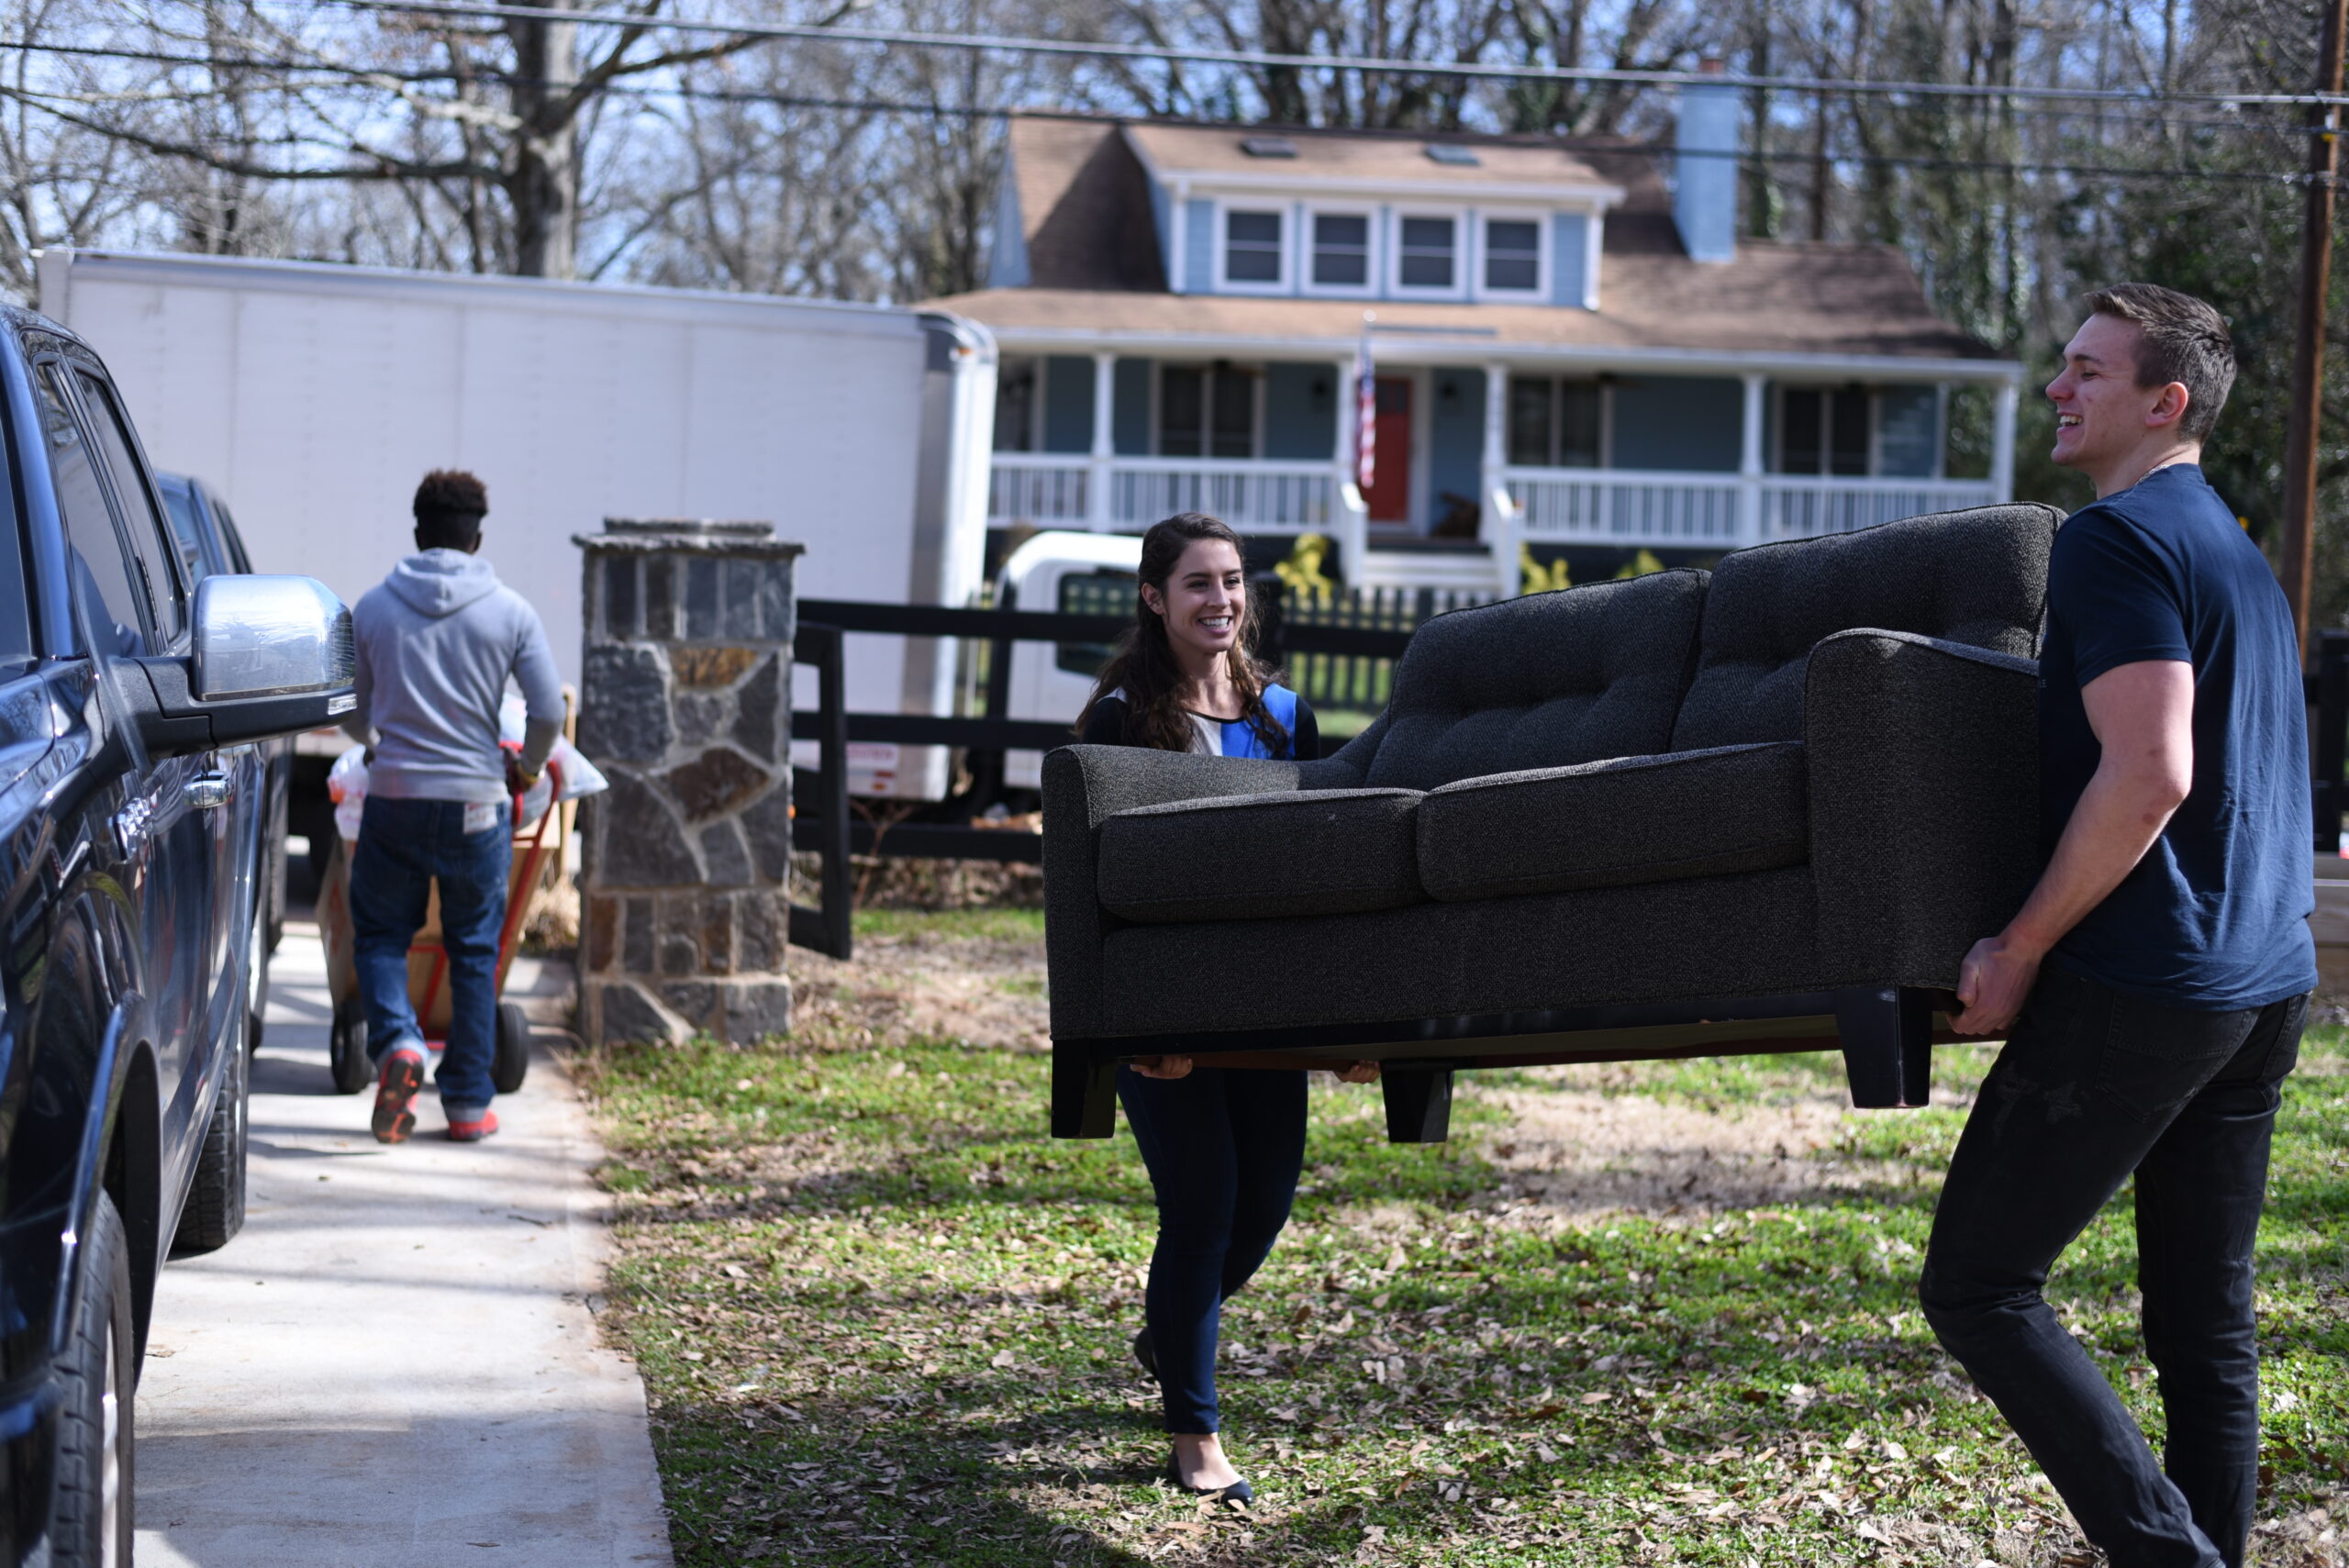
(207, 791)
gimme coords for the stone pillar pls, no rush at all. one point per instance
(685, 901)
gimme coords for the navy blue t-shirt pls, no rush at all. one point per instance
(2214, 917)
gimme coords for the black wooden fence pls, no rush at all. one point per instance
(1342, 653)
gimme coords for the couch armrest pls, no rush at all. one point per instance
(1082, 786)
(1923, 761)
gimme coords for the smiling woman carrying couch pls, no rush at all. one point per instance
(1223, 1146)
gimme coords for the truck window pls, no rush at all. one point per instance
(16, 603)
(147, 537)
(1106, 592)
(104, 576)
(237, 559)
(187, 532)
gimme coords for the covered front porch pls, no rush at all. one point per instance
(1474, 460)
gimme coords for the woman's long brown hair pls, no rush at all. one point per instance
(1144, 664)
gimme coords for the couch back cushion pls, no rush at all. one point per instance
(1545, 681)
(1978, 577)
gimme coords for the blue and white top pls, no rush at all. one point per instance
(1106, 726)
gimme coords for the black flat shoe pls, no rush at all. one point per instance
(1146, 1353)
(1238, 1492)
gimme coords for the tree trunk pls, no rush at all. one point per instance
(542, 185)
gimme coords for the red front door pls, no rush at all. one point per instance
(1389, 496)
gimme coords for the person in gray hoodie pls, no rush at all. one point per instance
(439, 639)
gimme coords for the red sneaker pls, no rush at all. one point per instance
(396, 1083)
(472, 1131)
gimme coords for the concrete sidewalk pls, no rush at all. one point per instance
(395, 1362)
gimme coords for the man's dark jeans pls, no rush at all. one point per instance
(1224, 1146)
(404, 847)
(2091, 1086)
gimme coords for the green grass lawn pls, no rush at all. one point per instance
(882, 1319)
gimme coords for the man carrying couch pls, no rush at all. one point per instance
(2154, 986)
(437, 641)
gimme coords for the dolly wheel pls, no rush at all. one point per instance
(347, 1048)
(513, 1060)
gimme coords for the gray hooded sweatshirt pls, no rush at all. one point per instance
(437, 640)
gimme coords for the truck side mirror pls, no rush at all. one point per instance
(273, 656)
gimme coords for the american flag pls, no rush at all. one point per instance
(1366, 415)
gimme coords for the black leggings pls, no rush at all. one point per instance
(1224, 1146)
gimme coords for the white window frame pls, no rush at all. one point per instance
(1256, 375)
(1462, 254)
(1372, 260)
(1544, 242)
(1281, 208)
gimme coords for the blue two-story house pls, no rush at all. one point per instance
(1572, 349)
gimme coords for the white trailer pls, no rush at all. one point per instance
(314, 396)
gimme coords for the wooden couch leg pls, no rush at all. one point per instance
(1085, 1093)
(1887, 1044)
(1419, 1104)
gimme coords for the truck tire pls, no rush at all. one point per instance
(90, 1513)
(347, 1048)
(213, 1209)
(513, 1060)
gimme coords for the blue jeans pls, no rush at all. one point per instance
(404, 847)
(1224, 1146)
(2094, 1086)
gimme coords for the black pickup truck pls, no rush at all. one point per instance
(132, 696)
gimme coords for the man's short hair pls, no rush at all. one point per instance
(449, 505)
(2182, 339)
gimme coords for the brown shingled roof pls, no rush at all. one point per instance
(1386, 156)
(1084, 206)
(1094, 264)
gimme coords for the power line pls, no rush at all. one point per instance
(1635, 150)
(1377, 64)
(514, 79)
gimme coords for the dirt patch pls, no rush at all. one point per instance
(1580, 1153)
(986, 990)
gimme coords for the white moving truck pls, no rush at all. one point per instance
(314, 396)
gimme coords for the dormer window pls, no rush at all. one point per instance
(1253, 252)
(1427, 256)
(1512, 255)
(1341, 250)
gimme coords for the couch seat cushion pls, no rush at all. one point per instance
(1616, 823)
(1242, 857)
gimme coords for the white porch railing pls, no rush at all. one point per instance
(1254, 497)
(1046, 491)
(1552, 506)
(1135, 492)
(1615, 506)
(1804, 508)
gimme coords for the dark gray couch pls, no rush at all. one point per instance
(1764, 808)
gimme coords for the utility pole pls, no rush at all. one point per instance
(2308, 359)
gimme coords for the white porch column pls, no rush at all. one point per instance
(1499, 525)
(2002, 444)
(1348, 511)
(1105, 408)
(1749, 462)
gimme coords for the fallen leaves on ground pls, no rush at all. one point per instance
(883, 1319)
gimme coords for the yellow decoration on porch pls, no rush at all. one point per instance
(1639, 565)
(1535, 578)
(1302, 571)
